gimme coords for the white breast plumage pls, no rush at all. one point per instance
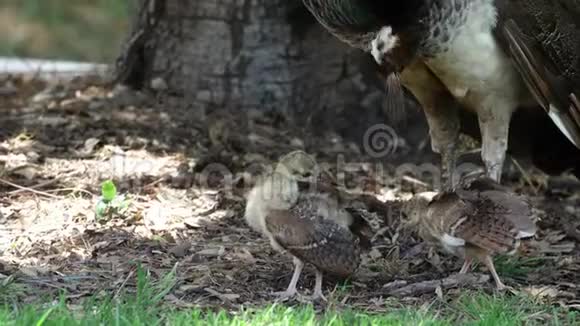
(472, 65)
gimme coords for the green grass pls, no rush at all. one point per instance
(472, 310)
(305, 315)
(11, 291)
(78, 30)
(120, 314)
(146, 305)
(492, 310)
(518, 267)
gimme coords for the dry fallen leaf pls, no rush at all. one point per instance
(28, 171)
(192, 222)
(33, 271)
(541, 291)
(180, 250)
(211, 252)
(245, 255)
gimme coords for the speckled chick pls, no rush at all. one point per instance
(477, 221)
(307, 221)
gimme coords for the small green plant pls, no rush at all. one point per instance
(111, 203)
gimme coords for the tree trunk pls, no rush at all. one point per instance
(267, 55)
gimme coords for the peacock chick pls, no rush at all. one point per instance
(475, 222)
(307, 221)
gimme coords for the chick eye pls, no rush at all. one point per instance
(307, 174)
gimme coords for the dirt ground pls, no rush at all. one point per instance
(59, 142)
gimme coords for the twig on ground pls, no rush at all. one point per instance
(123, 284)
(36, 186)
(72, 190)
(151, 184)
(38, 192)
(403, 289)
(456, 280)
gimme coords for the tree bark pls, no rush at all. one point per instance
(267, 55)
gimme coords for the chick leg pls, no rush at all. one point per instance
(318, 287)
(466, 265)
(488, 262)
(291, 290)
(494, 125)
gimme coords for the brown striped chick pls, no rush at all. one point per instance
(477, 221)
(306, 222)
